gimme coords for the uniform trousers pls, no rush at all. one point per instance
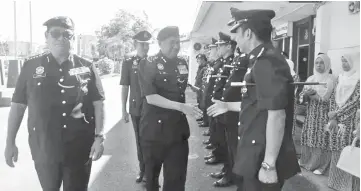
(253, 184)
(73, 177)
(218, 140)
(231, 138)
(173, 157)
(136, 120)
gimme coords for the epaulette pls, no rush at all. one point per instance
(35, 56)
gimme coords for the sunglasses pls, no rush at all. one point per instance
(66, 34)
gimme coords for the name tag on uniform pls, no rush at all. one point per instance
(80, 70)
(182, 69)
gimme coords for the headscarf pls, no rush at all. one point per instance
(347, 81)
(292, 66)
(325, 77)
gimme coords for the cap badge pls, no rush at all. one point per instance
(145, 35)
(160, 66)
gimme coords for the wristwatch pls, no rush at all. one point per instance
(99, 136)
(267, 167)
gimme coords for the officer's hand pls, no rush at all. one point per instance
(268, 177)
(97, 150)
(191, 110)
(218, 108)
(125, 117)
(11, 154)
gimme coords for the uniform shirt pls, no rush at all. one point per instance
(273, 91)
(130, 70)
(53, 93)
(220, 82)
(167, 78)
(233, 94)
(208, 91)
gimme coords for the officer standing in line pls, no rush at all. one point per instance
(226, 49)
(266, 155)
(202, 62)
(128, 78)
(229, 120)
(64, 96)
(213, 56)
(164, 129)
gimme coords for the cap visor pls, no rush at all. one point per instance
(221, 42)
(231, 22)
(212, 45)
(234, 28)
(146, 41)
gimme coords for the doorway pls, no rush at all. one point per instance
(303, 62)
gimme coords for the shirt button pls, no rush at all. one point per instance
(222, 98)
(159, 121)
(60, 70)
(135, 72)
(61, 80)
(64, 126)
(133, 100)
(63, 102)
(227, 80)
(224, 89)
(239, 123)
(62, 91)
(39, 83)
(239, 138)
(64, 114)
(253, 141)
(33, 128)
(165, 80)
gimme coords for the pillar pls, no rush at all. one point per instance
(13, 73)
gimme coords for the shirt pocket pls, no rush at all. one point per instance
(166, 82)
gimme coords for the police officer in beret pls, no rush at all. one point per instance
(164, 129)
(229, 120)
(129, 78)
(266, 155)
(64, 97)
(226, 49)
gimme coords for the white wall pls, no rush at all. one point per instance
(337, 32)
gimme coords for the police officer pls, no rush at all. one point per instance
(64, 96)
(229, 120)
(226, 49)
(164, 130)
(128, 78)
(266, 155)
(202, 67)
(213, 56)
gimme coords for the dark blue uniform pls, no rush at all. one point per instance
(217, 132)
(273, 91)
(164, 133)
(60, 136)
(228, 121)
(130, 71)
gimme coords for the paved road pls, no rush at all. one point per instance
(117, 169)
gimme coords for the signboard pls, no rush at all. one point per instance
(282, 31)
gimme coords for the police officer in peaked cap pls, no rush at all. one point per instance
(202, 66)
(129, 78)
(266, 155)
(164, 129)
(64, 97)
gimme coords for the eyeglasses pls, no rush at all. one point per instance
(66, 34)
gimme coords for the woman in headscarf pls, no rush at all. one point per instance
(343, 119)
(315, 154)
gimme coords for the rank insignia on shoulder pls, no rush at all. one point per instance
(160, 66)
(80, 70)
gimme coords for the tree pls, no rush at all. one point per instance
(115, 38)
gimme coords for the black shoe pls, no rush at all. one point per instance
(140, 177)
(208, 156)
(210, 146)
(203, 125)
(217, 175)
(213, 161)
(206, 133)
(206, 142)
(201, 119)
(224, 182)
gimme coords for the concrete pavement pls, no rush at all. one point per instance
(117, 169)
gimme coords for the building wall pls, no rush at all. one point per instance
(337, 32)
